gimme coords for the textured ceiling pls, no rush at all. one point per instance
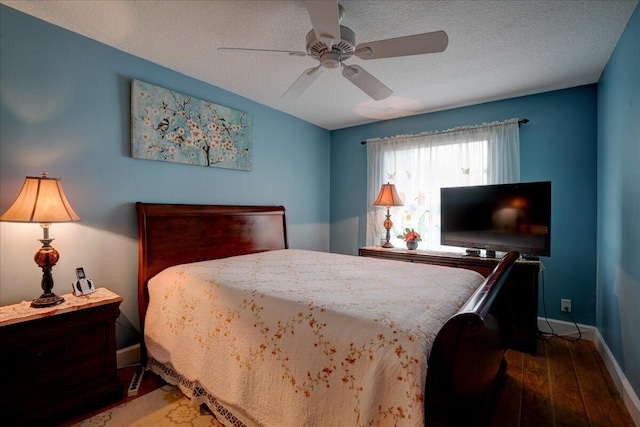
(497, 49)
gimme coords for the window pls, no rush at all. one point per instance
(419, 165)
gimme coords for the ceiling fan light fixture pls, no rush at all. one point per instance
(331, 59)
(330, 44)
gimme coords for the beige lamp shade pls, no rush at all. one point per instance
(41, 200)
(388, 196)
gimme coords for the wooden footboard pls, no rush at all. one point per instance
(466, 363)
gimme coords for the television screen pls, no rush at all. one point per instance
(504, 217)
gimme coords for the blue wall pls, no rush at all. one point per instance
(65, 109)
(557, 145)
(619, 202)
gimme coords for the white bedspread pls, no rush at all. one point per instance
(294, 338)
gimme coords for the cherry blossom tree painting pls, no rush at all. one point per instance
(173, 127)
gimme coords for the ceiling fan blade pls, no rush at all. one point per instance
(241, 49)
(366, 82)
(302, 83)
(325, 19)
(416, 44)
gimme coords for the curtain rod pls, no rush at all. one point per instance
(520, 123)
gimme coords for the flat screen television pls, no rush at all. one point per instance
(503, 217)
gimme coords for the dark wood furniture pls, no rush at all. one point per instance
(521, 286)
(56, 362)
(466, 361)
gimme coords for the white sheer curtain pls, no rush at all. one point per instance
(419, 165)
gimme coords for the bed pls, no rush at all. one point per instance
(265, 335)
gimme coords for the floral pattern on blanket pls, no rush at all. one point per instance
(299, 338)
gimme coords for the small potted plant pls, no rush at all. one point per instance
(411, 237)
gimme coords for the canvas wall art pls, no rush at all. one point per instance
(173, 127)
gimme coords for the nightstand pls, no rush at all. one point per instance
(60, 359)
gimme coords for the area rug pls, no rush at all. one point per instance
(165, 406)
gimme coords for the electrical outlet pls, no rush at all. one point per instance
(565, 305)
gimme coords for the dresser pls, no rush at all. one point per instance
(58, 360)
(521, 287)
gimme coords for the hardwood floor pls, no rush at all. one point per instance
(566, 384)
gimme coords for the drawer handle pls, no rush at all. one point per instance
(54, 353)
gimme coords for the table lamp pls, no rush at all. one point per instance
(388, 197)
(42, 200)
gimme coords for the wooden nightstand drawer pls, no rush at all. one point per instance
(62, 379)
(64, 350)
(62, 358)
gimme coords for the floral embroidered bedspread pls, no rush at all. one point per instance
(301, 338)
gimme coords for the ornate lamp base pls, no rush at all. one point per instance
(388, 225)
(46, 258)
(387, 244)
(47, 300)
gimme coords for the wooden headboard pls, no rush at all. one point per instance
(172, 234)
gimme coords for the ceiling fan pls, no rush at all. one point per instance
(331, 44)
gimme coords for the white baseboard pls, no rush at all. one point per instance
(590, 333)
(566, 329)
(128, 356)
(629, 396)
